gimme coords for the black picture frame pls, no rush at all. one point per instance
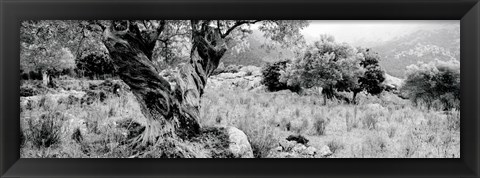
(13, 11)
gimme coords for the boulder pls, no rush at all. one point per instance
(239, 145)
(324, 151)
(299, 148)
(310, 151)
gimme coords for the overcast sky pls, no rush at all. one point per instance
(368, 32)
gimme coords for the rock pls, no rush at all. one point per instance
(239, 145)
(298, 138)
(392, 83)
(299, 148)
(310, 150)
(324, 151)
(287, 145)
(231, 75)
(277, 149)
(374, 107)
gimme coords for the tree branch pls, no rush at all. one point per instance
(237, 24)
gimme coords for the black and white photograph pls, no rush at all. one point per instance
(239, 88)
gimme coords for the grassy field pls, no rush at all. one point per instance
(77, 120)
(377, 127)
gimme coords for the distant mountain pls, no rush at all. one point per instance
(426, 44)
(422, 45)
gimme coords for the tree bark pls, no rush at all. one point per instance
(45, 78)
(354, 97)
(171, 110)
(327, 92)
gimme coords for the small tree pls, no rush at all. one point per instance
(437, 81)
(373, 76)
(327, 64)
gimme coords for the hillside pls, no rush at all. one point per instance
(422, 45)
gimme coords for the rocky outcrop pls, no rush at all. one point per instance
(294, 149)
(247, 77)
(392, 83)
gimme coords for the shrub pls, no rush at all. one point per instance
(46, 103)
(90, 97)
(391, 131)
(232, 69)
(77, 135)
(261, 136)
(45, 131)
(374, 144)
(335, 145)
(350, 121)
(95, 65)
(370, 120)
(410, 144)
(319, 124)
(218, 119)
(26, 91)
(299, 126)
(22, 138)
(271, 77)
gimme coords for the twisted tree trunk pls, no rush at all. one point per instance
(171, 111)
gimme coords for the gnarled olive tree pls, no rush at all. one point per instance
(172, 109)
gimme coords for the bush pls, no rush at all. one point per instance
(335, 145)
(26, 91)
(45, 131)
(271, 77)
(391, 131)
(262, 141)
(77, 135)
(22, 138)
(435, 82)
(320, 124)
(298, 126)
(374, 145)
(261, 136)
(95, 65)
(35, 75)
(370, 120)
